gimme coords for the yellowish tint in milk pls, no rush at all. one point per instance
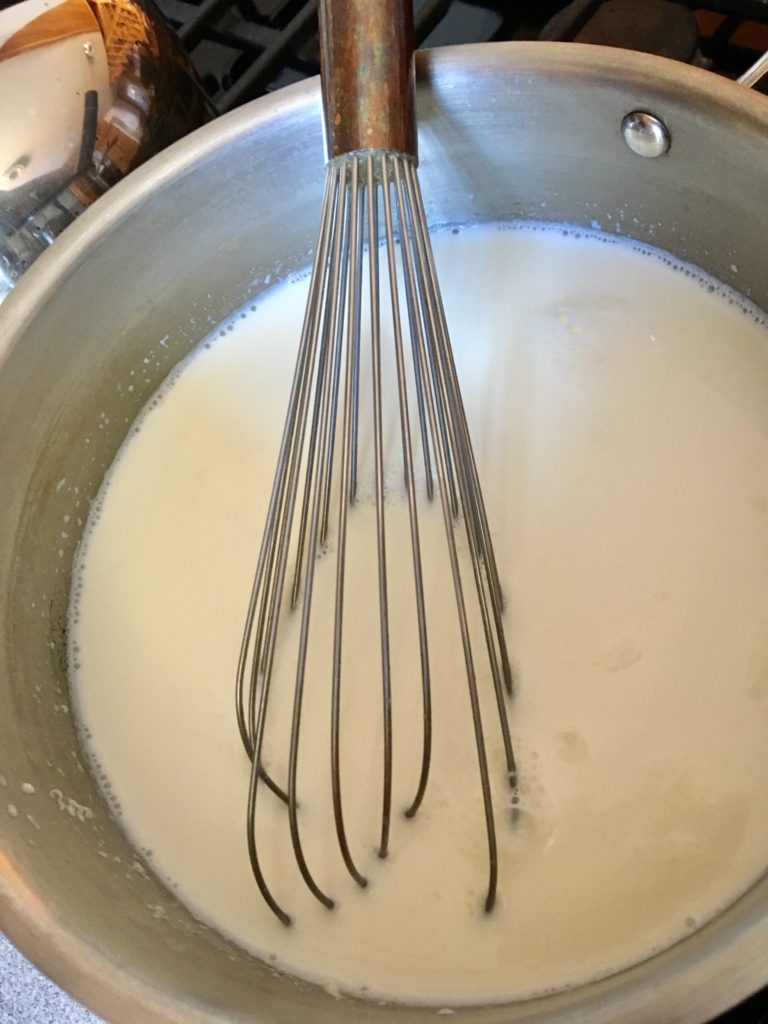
(619, 410)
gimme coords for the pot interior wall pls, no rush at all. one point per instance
(509, 131)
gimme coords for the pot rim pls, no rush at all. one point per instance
(686, 983)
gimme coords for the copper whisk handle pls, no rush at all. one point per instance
(366, 49)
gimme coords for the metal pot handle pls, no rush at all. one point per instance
(757, 72)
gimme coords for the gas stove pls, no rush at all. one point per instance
(245, 48)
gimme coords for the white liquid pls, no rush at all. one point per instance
(620, 419)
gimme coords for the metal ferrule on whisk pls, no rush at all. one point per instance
(368, 76)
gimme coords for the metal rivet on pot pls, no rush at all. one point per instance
(88, 50)
(15, 171)
(645, 134)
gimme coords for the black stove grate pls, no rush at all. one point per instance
(245, 48)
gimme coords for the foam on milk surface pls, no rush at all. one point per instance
(618, 413)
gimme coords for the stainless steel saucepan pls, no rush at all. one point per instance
(507, 130)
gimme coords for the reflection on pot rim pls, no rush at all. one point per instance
(105, 85)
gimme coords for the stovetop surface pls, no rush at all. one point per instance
(244, 48)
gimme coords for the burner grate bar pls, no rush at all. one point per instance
(260, 73)
(178, 13)
(274, 48)
(428, 16)
(192, 31)
(247, 36)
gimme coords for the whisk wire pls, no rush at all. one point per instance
(355, 278)
(292, 461)
(314, 485)
(331, 325)
(274, 593)
(271, 568)
(338, 350)
(428, 354)
(317, 434)
(471, 500)
(381, 547)
(245, 720)
(479, 518)
(356, 328)
(410, 485)
(419, 325)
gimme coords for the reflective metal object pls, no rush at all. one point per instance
(89, 89)
(506, 130)
(645, 134)
(756, 73)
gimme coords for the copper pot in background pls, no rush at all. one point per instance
(89, 89)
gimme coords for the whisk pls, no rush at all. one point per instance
(370, 127)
